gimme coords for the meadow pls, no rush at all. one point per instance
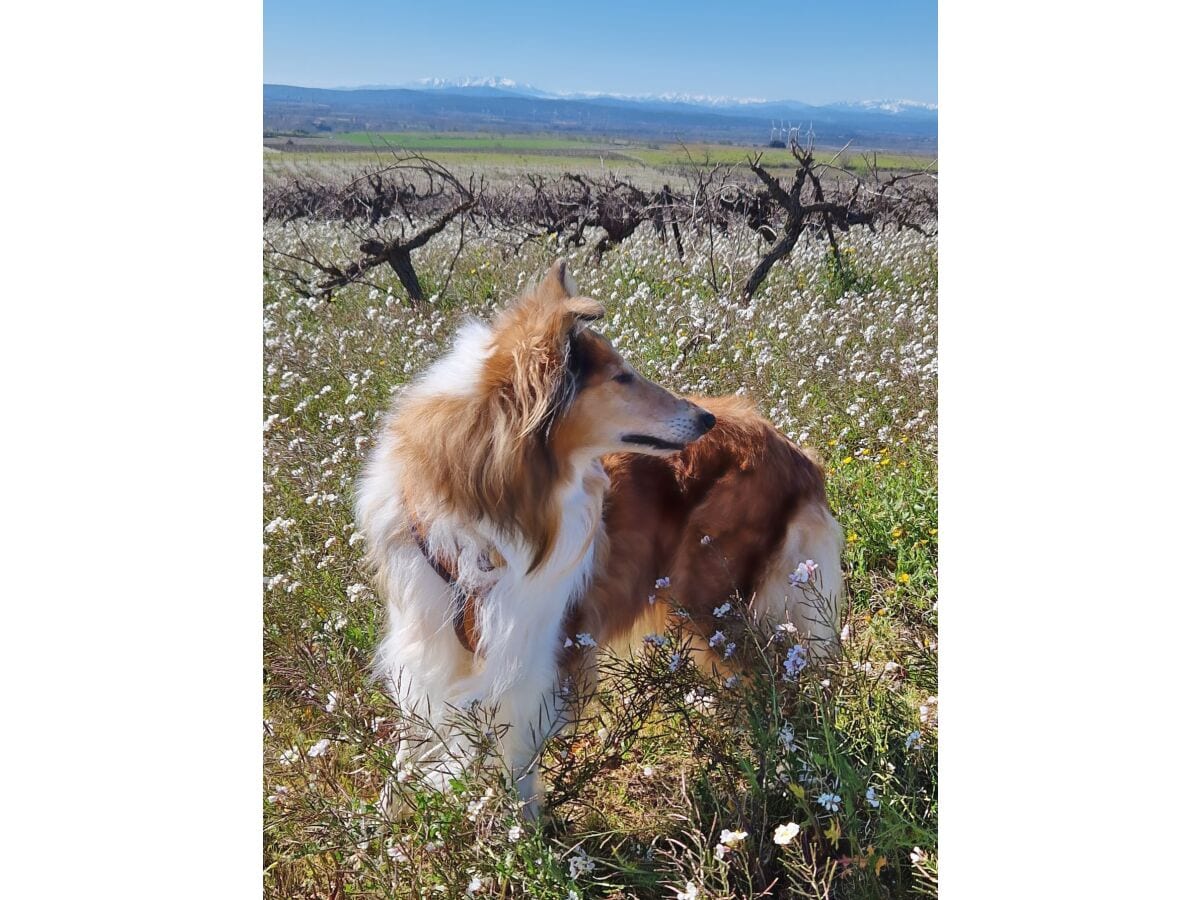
(561, 152)
(784, 782)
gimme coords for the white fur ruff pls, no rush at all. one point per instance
(512, 679)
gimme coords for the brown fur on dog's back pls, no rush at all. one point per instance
(741, 485)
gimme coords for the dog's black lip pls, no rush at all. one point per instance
(649, 441)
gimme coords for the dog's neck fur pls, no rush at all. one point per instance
(574, 501)
(540, 598)
(578, 501)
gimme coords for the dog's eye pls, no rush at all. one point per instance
(623, 377)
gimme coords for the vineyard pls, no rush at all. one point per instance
(812, 290)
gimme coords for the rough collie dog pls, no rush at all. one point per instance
(531, 488)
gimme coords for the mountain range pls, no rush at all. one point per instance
(498, 104)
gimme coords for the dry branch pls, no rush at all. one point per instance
(394, 209)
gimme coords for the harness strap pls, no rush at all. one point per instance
(466, 628)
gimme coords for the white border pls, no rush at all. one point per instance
(131, 344)
(1068, 361)
(131, 365)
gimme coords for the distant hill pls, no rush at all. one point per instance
(497, 105)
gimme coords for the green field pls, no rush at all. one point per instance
(558, 151)
(497, 143)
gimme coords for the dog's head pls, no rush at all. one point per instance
(517, 407)
(572, 386)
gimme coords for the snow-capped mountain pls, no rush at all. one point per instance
(498, 85)
(894, 107)
(499, 104)
(476, 84)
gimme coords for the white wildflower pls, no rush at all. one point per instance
(785, 833)
(581, 864)
(689, 892)
(872, 798)
(475, 807)
(514, 834)
(928, 710)
(729, 838)
(319, 748)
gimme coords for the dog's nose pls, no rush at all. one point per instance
(707, 420)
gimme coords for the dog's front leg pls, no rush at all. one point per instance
(534, 712)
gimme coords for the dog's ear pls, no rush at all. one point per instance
(559, 287)
(558, 283)
(533, 340)
(581, 310)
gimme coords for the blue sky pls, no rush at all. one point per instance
(797, 50)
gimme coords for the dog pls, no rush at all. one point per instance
(524, 496)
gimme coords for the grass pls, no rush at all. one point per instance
(433, 141)
(669, 758)
(511, 150)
